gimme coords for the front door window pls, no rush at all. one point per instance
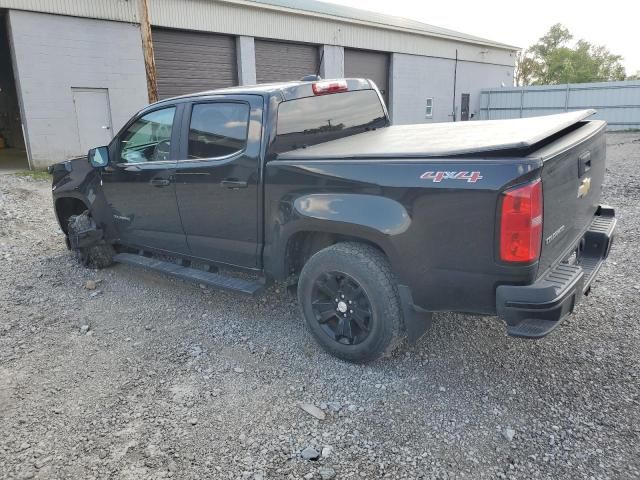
(148, 139)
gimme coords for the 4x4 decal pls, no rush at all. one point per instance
(437, 177)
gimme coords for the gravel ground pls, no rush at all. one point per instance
(150, 377)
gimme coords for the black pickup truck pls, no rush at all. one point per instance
(377, 225)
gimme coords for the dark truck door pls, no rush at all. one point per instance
(138, 182)
(464, 107)
(217, 178)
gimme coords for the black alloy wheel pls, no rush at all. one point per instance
(350, 302)
(341, 307)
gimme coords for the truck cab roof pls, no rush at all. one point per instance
(284, 90)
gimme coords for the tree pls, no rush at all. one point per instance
(635, 76)
(552, 60)
(525, 68)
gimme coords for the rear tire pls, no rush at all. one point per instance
(349, 298)
(99, 255)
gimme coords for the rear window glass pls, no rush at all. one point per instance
(312, 120)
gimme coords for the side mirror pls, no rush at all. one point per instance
(99, 157)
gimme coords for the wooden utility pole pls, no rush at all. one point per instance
(147, 48)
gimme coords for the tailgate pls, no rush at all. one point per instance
(572, 176)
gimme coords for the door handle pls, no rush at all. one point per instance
(160, 182)
(233, 183)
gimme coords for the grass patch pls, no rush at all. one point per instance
(34, 174)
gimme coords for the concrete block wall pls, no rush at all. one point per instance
(332, 61)
(54, 53)
(415, 78)
(246, 59)
(473, 77)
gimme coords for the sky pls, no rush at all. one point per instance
(614, 23)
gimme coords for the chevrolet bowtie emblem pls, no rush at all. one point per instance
(584, 187)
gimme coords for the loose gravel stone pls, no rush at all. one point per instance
(310, 453)
(327, 473)
(327, 451)
(312, 410)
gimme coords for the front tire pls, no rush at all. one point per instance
(99, 255)
(349, 298)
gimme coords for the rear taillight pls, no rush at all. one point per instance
(330, 86)
(521, 223)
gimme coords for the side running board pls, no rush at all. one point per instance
(215, 280)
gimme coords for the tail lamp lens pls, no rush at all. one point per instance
(521, 223)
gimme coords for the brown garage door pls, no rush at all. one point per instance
(189, 62)
(280, 61)
(368, 64)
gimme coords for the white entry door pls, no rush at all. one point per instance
(94, 117)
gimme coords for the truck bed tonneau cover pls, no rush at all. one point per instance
(440, 139)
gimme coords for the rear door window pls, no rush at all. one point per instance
(218, 129)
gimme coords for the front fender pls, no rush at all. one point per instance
(372, 218)
(82, 182)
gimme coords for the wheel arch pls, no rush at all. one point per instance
(303, 244)
(66, 207)
(305, 224)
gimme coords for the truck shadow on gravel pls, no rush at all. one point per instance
(458, 351)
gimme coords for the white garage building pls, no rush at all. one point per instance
(72, 72)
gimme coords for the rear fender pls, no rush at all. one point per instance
(371, 218)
